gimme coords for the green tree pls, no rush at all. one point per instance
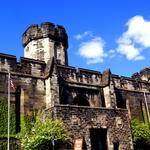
(140, 132)
(4, 118)
(41, 133)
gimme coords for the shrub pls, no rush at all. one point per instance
(41, 133)
(4, 118)
(141, 133)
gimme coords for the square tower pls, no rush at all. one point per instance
(46, 41)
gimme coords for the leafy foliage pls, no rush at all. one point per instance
(27, 122)
(140, 131)
(36, 131)
(14, 143)
(4, 118)
(41, 133)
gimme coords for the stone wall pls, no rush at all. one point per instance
(26, 67)
(130, 93)
(28, 78)
(46, 41)
(32, 92)
(107, 90)
(79, 75)
(46, 29)
(79, 121)
(143, 74)
(80, 85)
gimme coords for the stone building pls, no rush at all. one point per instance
(94, 106)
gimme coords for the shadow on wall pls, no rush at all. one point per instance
(80, 100)
(17, 108)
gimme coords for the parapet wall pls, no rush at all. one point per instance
(47, 29)
(25, 66)
(79, 75)
(132, 84)
(85, 76)
(144, 74)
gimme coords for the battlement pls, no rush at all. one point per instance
(79, 75)
(2, 55)
(26, 66)
(137, 82)
(46, 29)
(144, 74)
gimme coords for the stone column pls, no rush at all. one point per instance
(109, 89)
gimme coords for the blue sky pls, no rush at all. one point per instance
(102, 33)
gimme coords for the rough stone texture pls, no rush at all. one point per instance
(46, 41)
(82, 98)
(131, 91)
(28, 76)
(28, 67)
(80, 120)
(109, 89)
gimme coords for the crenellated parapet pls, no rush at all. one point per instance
(45, 30)
(144, 74)
(79, 75)
(26, 67)
(42, 42)
(134, 83)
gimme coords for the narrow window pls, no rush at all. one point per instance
(141, 111)
(17, 108)
(121, 103)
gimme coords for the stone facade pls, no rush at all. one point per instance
(28, 78)
(79, 120)
(87, 101)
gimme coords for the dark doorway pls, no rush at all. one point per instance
(98, 139)
(17, 108)
(116, 146)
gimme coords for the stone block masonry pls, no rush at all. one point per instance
(79, 120)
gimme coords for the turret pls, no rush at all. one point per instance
(46, 41)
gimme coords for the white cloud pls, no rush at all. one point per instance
(130, 52)
(111, 53)
(82, 35)
(135, 39)
(93, 50)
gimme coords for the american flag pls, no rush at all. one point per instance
(11, 83)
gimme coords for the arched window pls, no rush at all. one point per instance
(80, 100)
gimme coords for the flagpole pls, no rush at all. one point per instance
(8, 106)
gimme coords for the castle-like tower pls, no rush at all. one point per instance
(46, 41)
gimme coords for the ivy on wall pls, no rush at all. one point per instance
(4, 118)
